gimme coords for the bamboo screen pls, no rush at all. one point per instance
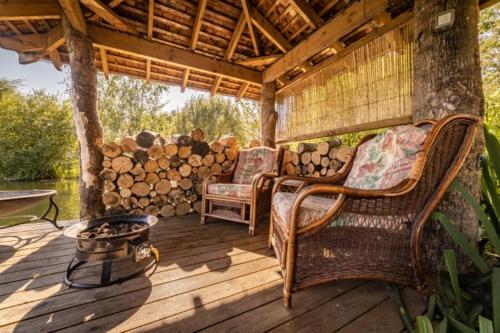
(371, 84)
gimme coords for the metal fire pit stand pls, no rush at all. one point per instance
(105, 273)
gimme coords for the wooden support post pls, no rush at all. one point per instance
(268, 115)
(88, 126)
(447, 80)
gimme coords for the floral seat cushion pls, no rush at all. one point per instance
(388, 159)
(252, 162)
(311, 209)
(230, 190)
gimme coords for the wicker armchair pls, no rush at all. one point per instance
(244, 193)
(339, 228)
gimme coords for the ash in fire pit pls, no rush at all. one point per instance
(107, 230)
(111, 238)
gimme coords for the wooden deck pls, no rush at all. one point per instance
(212, 278)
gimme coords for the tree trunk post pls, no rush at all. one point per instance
(86, 118)
(447, 80)
(268, 115)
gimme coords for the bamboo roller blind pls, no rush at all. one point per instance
(370, 84)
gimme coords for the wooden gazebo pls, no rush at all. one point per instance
(296, 56)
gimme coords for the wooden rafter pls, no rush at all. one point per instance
(354, 16)
(56, 59)
(215, 85)
(13, 27)
(148, 70)
(109, 16)
(23, 43)
(112, 4)
(259, 61)
(200, 11)
(74, 14)
(307, 13)
(246, 11)
(238, 31)
(104, 62)
(128, 44)
(33, 10)
(185, 79)
(270, 31)
(151, 17)
(243, 89)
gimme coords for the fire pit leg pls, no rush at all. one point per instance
(106, 271)
(54, 220)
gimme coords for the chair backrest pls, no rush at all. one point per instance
(255, 160)
(389, 158)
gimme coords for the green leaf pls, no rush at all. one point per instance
(455, 234)
(485, 325)
(489, 188)
(485, 219)
(495, 291)
(424, 325)
(451, 265)
(431, 306)
(442, 327)
(493, 148)
(459, 326)
(474, 312)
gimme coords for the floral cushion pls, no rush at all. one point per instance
(311, 209)
(231, 190)
(252, 162)
(387, 159)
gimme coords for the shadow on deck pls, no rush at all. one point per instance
(210, 278)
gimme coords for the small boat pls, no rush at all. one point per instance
(12, 202)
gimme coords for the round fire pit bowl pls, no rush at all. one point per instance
(110, 238)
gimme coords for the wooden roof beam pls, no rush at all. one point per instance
(56, 59)
(351, 18)
(185, 79)
(200, 11)
(238, 31)
(109, 16)
(307, 13)
(151, 18)
(112, 4)
(128, 44)
(259, 61)
(246, 11)
(29, 10)
(243, 89)
(215, 85)
(268, 30)
(104, 62)
(74, 14)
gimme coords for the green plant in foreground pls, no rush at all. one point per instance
(464, 302)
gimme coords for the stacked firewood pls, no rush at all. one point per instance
(316, 159)
(148, 174)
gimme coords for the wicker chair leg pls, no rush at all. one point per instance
(287, 299)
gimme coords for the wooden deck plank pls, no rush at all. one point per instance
(212, 278)
(53, 282)
(345, 308)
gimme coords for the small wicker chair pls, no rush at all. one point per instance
(244, 193)
(330, 230)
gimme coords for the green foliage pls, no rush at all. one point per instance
(217, 116)
(489, 43)
(127, 106)
(37, 137)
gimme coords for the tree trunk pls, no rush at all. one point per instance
(88, 126)
(447, 80)
(269, 116)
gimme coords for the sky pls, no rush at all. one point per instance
(42, 75)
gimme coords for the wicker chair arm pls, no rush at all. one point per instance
(256, 180)
(221, 177)
(308, 180)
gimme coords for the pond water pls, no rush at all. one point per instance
(67, 199)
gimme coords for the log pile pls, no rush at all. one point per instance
(322, 159)
(149, 174)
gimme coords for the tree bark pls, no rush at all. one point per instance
(269, 116)
(447, 80)
(88, 126)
